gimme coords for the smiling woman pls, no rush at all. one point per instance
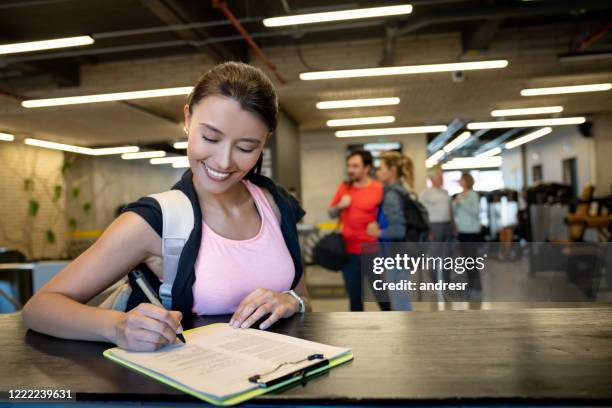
(242, 256)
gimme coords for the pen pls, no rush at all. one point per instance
(150, 294)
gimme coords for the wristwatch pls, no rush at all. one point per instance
(299, 299)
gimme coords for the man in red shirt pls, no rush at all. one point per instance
(357, 203)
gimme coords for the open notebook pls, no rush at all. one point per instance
(227, 366)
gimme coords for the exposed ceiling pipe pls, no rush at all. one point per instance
(172, 27)
(499, 12)
(593, 38)
(30, 3)
(11, 95)
(440, 140)
(497, 142)
(222, 6)
(178, 43)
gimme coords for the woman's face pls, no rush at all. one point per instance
(384, 173)
(225, 142)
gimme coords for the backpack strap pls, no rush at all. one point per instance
(178, 222)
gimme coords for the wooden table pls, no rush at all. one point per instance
(455, 357)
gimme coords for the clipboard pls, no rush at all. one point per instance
(270, 378)
(264, 382)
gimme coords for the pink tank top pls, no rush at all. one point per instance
(227, 270)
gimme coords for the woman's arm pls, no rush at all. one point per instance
(58, 307)
(262, 302)
(393, 209)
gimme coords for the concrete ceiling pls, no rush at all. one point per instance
(531, 45)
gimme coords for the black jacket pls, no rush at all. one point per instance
(182, 295)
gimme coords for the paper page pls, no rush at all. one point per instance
(218, 359)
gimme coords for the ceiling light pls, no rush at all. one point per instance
(472, 163)
(81, 150)
(143, 155)
(118, 96)
(566, 89)
(526, 111)
(434, 158)
(58, 146)
(528, 137)
(391, 131)
(372, 120)
(338, 15)
(180, 145)
(492, 152)
(180, 165)
(168, 160)
(358, 103)
(45, 44)
(405, 70)
(104, 151)
(502, 124)
(456, 142)
(7, 137)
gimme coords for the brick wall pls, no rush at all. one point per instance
(18, 229)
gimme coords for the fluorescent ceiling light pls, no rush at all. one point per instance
(143, 155)
(45, 44)
(526, 111)
(105, 151)
(118, 96)
(81, 150)
(7, 137)
(405, 70)
(168, 160)
(528, 137)
(58, 146)
(358, 103)
(372, 120)
(434, 158)
(456, 142)
(180, 145)
(180, 165)
(492, 152)
(566, 89)
(391, 131)
(502, 124)
(338, 15)
(472, 163)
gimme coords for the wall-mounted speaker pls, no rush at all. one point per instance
(586, 129)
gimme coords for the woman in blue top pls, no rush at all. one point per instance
(466, 213)
(396, 173)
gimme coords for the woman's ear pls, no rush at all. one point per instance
(187, 116)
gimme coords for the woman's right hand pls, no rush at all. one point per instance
(147, 328)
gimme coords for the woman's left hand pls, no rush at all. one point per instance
(260, 303)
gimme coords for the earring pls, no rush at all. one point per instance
(186, 130)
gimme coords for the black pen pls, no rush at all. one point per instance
(150, 294)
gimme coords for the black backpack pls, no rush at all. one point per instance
(416, 216)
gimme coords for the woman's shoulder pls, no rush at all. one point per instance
(277, 194)
(270, 198)
(149, 209)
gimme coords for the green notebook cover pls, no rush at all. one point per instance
(233, 400)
